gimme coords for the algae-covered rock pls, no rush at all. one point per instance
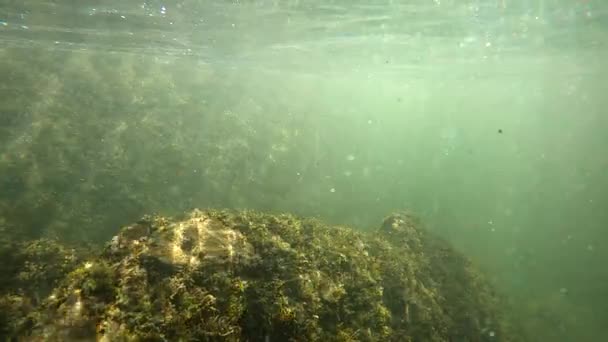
(248, 276)
(29, 271)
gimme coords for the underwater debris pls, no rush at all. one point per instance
(249, 276)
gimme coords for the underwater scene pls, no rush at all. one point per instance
(291, 170)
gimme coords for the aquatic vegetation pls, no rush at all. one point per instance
(76, 123)
(30, 271)
(250, 276)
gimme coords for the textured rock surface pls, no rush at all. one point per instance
(247, 276)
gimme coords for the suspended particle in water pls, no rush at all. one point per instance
(366, 171)
(350, 157)
(500, 131)
(332, 190)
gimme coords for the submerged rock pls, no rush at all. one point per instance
(248, 276)
(29, 270)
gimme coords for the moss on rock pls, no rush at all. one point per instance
(30, 271)
(249, 276)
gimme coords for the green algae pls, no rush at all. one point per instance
(249, 276)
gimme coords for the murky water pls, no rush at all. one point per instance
(487, 118)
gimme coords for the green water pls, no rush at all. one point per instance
(486, 118)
